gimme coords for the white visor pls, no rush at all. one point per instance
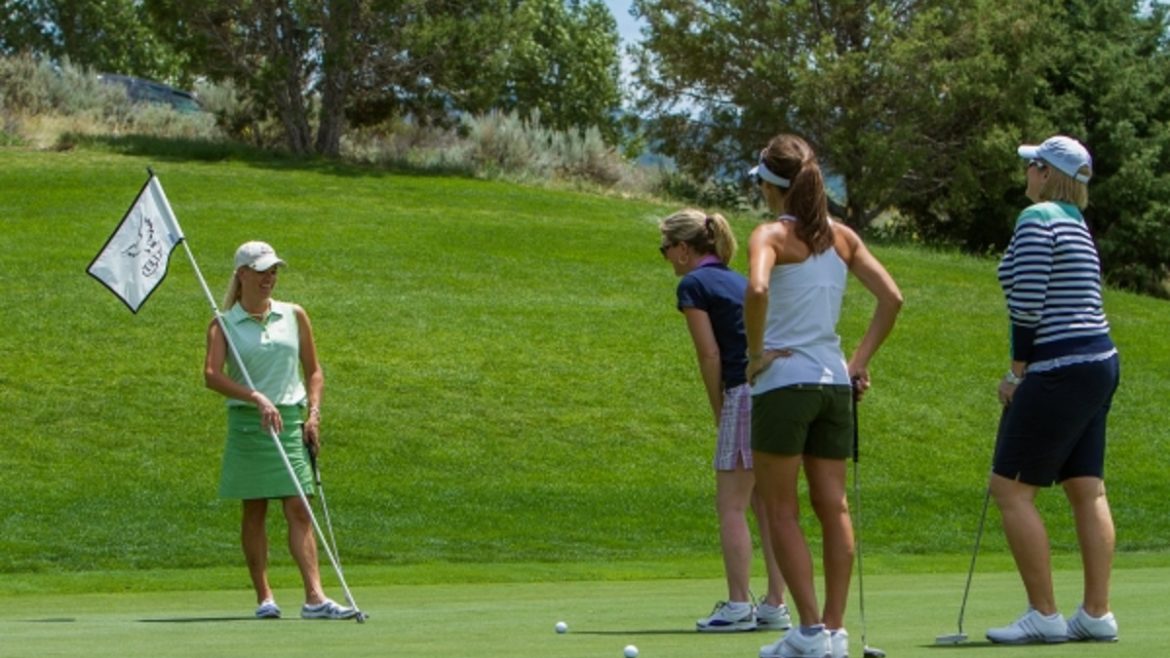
(761, 172)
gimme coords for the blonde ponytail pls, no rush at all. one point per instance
(233, 292)
(706, 234)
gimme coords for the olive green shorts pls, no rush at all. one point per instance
(804, 419)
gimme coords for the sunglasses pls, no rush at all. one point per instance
(664, 247)
(1039, 164)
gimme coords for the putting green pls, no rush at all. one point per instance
(905, 612)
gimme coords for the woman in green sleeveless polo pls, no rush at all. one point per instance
(274, 341)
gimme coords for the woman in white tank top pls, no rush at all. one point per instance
(803, 387)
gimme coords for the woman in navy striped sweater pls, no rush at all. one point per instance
(1056, 395)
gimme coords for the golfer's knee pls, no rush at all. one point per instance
(1084, 492)
(1010, 494)
(296, 513)
(727, 506)
(828, 508)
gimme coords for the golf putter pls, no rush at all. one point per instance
(960, 637)
(869, 652)
(361, 617)
(324, 505)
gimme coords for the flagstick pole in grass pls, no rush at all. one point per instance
(133, 263)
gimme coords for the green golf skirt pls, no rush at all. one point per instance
(252, 467)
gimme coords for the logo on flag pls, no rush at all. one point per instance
(134, 260)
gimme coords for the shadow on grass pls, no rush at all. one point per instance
(652, 631)
(196, 620)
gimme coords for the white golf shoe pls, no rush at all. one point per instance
(773, 617)
(839, 643)
(327, 609)
(728, 616)
(1083, 626)
(1032, 628)
(268, 610)
(796, 644)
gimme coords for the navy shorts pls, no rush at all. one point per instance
(1054, 429)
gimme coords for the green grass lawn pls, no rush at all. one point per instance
(507, 378)
(904, 614)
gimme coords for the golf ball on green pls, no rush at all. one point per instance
(631, 651)
(562, 627)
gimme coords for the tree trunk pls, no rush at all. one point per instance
(287, 78)
(340, 58)
(857, 216)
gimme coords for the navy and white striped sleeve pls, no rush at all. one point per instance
(1025, 274)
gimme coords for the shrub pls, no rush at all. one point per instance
(404, 143)
(33, 86)
(165, 121)
(506, 145)
(502, 143)
(585, 155)
(58, 106)
(725, 195)
(75, 99)
(237, 116)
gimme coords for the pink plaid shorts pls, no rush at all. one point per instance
(734, 445)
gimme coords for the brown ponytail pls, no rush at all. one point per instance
(791, 157)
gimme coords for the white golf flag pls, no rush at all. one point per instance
(134, 260)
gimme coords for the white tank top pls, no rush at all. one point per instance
(804, 304)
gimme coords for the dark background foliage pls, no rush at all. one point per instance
(915, 106)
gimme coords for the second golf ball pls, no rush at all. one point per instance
(631, 651)
(562, 627)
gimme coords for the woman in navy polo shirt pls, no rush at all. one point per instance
(710, 295)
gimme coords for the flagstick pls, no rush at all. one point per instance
(275, 437)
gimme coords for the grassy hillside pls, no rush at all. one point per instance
(507, 378)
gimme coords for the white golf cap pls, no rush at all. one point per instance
(1065, 153)
(259, 256)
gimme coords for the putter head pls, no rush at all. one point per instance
(361, 617)
(873, 652)
(952, 638)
